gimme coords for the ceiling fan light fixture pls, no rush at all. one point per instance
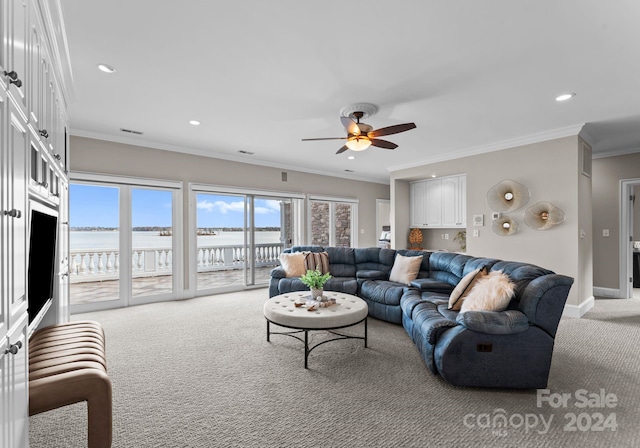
(358, 143)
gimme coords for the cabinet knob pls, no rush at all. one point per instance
(13, 78)
(11, 75)
(44, 133)
(57, 156)
(13, 213)
(14, 348)
(44, 184)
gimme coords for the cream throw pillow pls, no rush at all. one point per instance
(463, 288)
(405, 269)
(293, 264)
(491, 293)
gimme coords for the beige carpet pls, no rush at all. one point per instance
(200, 373)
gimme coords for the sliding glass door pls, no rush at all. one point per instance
(239, 237)
(123, 243)
(94, 245)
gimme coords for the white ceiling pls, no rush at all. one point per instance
(261, 75)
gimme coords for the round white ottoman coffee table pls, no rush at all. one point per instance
(348, 311)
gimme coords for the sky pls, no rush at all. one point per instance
(97, 206)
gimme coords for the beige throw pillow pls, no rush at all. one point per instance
(491, 293)
(463, 288)
(405, 269)
(316, 260)
(293, 264)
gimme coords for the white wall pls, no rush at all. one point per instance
(550, 170)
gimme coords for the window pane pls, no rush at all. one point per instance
(220, 240)
(94, 237)
(343, 225)
(151, 242)
(320, 222)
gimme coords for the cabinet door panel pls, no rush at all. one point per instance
(5, 261)
(417, 201)
(433, 203)
(16, 49)
(16, 225)
(450, 202)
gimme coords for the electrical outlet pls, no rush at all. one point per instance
(476, 232)
(446, 236)
(605, 232)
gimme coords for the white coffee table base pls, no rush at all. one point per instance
(347, 312)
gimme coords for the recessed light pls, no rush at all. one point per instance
(351, 157)
(194, 122)
(565, 96)
(433, 175)
(106, 68)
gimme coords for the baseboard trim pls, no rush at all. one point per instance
(606, 292)
(577, 311)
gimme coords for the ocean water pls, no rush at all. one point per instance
(83, 240)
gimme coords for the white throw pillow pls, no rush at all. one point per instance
(405, 269)
(491, 293)
(464, 287)
(293, 264)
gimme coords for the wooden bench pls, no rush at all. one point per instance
(67, 365)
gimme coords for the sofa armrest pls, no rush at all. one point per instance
(278, 272)
(370, 274)
(494, 322)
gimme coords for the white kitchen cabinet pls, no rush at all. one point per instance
(438, 203)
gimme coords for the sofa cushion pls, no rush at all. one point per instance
(374, 259)
(372, 275)
(381, 291)
(432, 284)
(405, 269)
(342, 262)
(316, 260)
(463, 288)
(491, 293)
(347, 285)
(293, 264)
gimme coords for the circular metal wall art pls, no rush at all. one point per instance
(504, 226)
(543, 216)
(507, 196)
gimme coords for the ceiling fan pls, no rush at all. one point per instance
(360, 135)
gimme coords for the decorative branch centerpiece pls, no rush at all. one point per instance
(315, 280)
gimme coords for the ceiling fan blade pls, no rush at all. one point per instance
(327, 138)
(343, 149)
(391, 130)
(383, 144)
(350, 125)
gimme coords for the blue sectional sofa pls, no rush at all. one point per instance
(503, 349)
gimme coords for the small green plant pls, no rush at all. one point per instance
(315, 279)
(462, 237)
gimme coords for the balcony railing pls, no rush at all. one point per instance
(91, 265)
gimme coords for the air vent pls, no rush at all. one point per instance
(246, 152)
(129, 131)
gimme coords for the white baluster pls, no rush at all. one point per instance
(116, 263)
(100, 264)
(74, 266)
(140, 260)
(200, 255)
(109, 262)
(83, 264)
(92, 267)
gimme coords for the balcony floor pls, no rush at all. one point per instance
(101, 291)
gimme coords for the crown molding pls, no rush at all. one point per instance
(497, 146)
(614, 152)
(213, 155)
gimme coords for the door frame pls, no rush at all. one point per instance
(125, 183)
(194, 189)
(626, 233)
